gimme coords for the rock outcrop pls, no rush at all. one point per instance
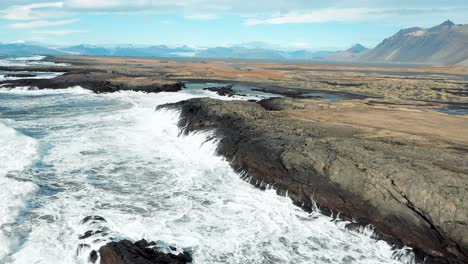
(116, 251)
(223, 90)
(140, 252)
(414, 194)
(20, 75)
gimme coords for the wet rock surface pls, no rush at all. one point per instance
(140, 252)
(415, 194)
(117, 251)
(223, 91)
(20, 75)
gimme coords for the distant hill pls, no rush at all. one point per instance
(238, 52)
(465, 62)
(151, 51)
(350, 54)
(22, 49)
(305, 54)
(446, 43)
(87, 50)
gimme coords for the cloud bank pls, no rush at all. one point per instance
(43, 13)
(42, 23)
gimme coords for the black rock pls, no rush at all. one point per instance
(223, 91)
(140, 252)
(20, 75)
(90, 233)
(95, 218)
(93, 256)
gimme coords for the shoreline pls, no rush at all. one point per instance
(377, 162)
(273, 152)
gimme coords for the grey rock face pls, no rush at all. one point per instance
(414, 194)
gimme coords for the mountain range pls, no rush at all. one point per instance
(446, 43)
(233, 52)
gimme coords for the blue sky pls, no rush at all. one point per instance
(292, 24)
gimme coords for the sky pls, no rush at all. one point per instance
(287, 24)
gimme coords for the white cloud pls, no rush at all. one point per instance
(402, 12)
(202, 17)
(42, 23)
(109, 5)
(318, 16)
(58, 32)
(32, 11)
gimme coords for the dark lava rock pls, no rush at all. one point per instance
(140, 252)
(93, 256)
(20, 75)
(223, 91)
(401, 190)
(99, 82)
(90, 233)
(93, 218)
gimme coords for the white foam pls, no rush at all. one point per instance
(16, 153)
(29, 61)
(128, 164)
(31, 58)
(39, 75)
(28, 90)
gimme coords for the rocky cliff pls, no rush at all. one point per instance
(413, 193)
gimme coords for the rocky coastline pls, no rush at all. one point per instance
(403, 171)
(413, 194)
(98, 82)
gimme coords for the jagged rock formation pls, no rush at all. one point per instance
(140, 252)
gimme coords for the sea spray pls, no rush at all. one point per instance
(17, 153)
(114, 156)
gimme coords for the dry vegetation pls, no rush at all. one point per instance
(422, 86)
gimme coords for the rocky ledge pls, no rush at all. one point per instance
(99, 82)
(116, 251)
(222, 91)
(413, 192)
(140, 252)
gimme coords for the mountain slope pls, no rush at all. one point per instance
(304, 54)
(446, 43)
(238, 52)
(26, 49)
(349, 54)
(465, 62)
(160, 50)
(87, 50)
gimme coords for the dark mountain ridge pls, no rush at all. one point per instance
(446, 43)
